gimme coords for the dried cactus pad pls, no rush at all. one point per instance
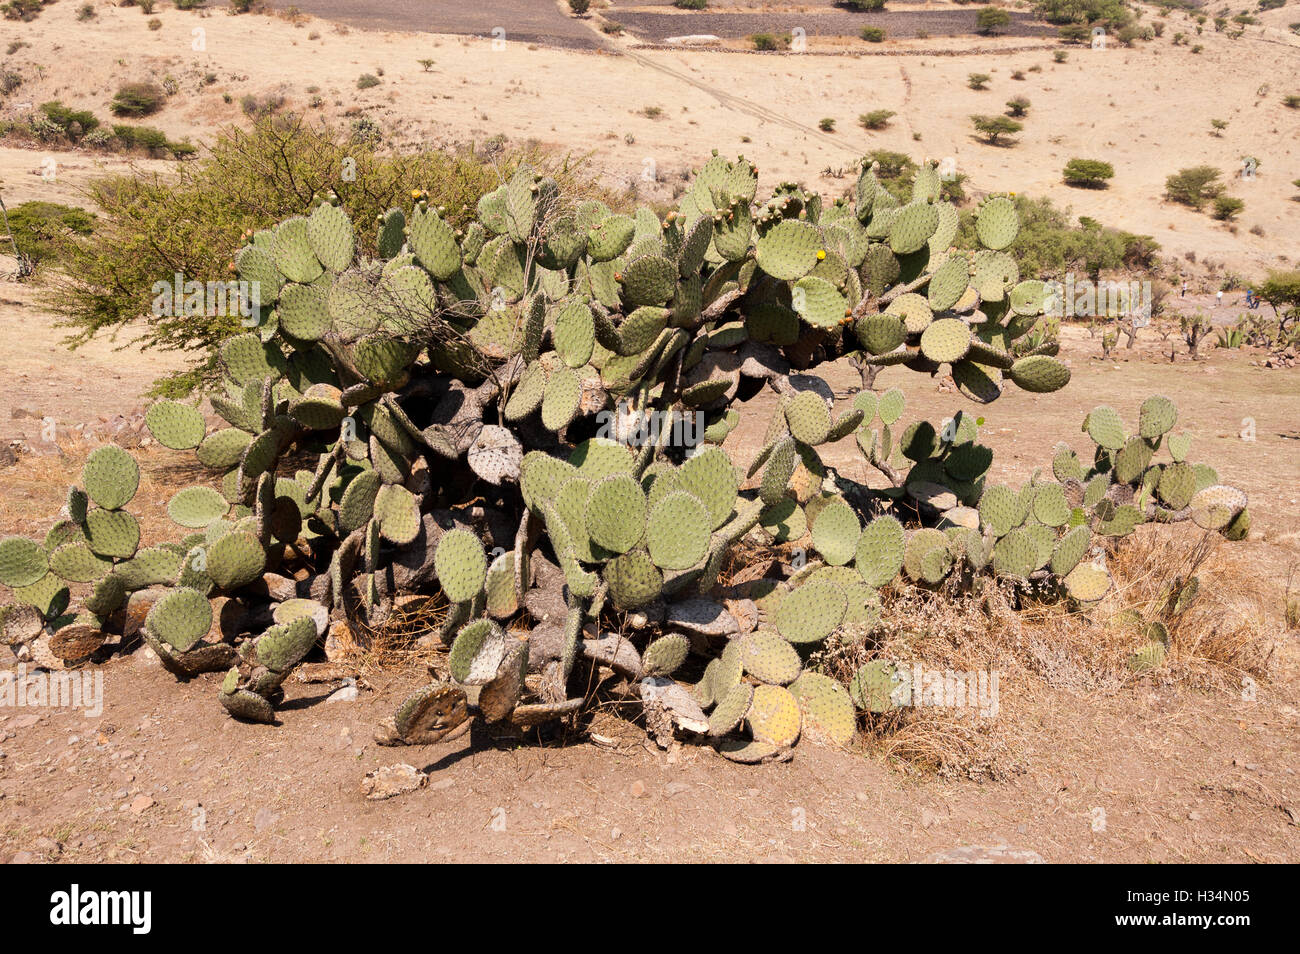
(827, 708)
(774, 716)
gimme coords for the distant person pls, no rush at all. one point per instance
(1184, 294)
(1219, 299)
(1250, 298)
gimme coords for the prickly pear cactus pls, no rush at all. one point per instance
(524, 417)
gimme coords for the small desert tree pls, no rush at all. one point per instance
(978, 80)
(1088, 173)
(1017, 106)
(991, 20)
(876, 119)
(1194, 186)
(994, 128)
(1226, 207)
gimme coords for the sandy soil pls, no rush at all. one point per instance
(1146, 109)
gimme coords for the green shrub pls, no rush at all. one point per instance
(580, 7)
(1108, 13)
(826, 124)
(764, 41)
(1194, 186)
(1017, 106)
(190, 220)
(978, 80)
(994, 128)
(1088, 173)
(1291, 102)
(1060, 56)
(876, 119)
(367, 81)
(691, 4)
(991, 20)
(1049, 246)
(1075, 33)
(862, 6)
(872, 34)
(86, 12)
(241, 6)
(40, 229)
(137, 99)
(75, 123)
(1226, 207)
(25, 10)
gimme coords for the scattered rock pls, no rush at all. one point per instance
(390, 780)
(141, 804)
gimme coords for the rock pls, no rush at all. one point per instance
(346, 694)
(140, 804)
(7, 456)
(986, 855)
(390, 780)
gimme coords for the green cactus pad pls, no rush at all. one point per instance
(616, 512)
(284, 645)
(357, 505)
(769, 658)
(561, 399)
(180, 618)
(1070, 549)
(836, 531)
(235, 559)
(304, 312)
(878, 687)
(1087, 583)
(460, 564)
(711, 479)
(677, 531)
(997, 223)
(914, 310)
(811, 612)
(731, 709)
(827, 708)
(1039, 374)
(649, 280)
(880, 550)
(788, 250)
(77, 563)
(331, 236)
(22, 562)
(809, 418)
(633, 580)
(946, 340)
(397, 512)
(665, 655)
(291, 249)
(911, 229)
(818, 302)
(574, 334)
(1215, 507)
(1050, 506)
(434, 243)
(1105, 427)
(110, 477)
(926, 557)
(175, 425)
(1156, 417)
(112, 533)
(196, 507)
(477, 652)
(880, 334)
(1016, 554)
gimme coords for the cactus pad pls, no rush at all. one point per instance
(769, 658)
(180, 618)
(461, 565)
(110, 477)
(175, 425)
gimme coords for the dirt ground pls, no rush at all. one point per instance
(1194, 765)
